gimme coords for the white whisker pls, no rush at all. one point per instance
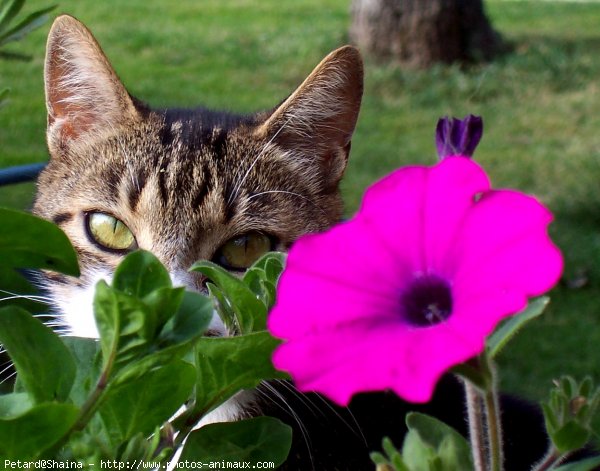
(238, 186)
(42, 315)
(30, 297)
(10, 376)
(10, 365)
(357, 425)
(285, 406)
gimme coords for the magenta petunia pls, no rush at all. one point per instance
(412, 285)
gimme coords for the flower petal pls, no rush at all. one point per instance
(451, 190)
(393, 209)
(349, 261)
(504, 245)
(339, 307)
(374, 356)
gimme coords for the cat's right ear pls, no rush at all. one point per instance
(84, 96)
(316, 122)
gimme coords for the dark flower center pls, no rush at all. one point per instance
(427, 301)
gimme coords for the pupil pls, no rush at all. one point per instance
(428, 301)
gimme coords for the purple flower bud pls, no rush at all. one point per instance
(455, 136)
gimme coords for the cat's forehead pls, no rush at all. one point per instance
(192, 173)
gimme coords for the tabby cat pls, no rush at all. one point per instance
(199, 184)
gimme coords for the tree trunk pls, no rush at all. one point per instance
(422, 32)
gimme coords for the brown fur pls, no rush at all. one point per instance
(186, 181)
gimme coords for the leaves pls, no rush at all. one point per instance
(139, 274)
(80, 399)
(30, 23)
(438, 442)
(429, 445)
(45, 366)
(253, 440)
(391, 460)
(39, 428)
(243, 303)
(228, 364)
(140, 405)
(250, 314)
(569, 412)
(498, 340)
(27, 241)
(9, 9)
(583, 465)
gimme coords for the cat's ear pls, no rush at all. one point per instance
(317, 121)
(84, 96)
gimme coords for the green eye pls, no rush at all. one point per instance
(109, 232)
(241, 252)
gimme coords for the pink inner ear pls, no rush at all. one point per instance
(75, 117)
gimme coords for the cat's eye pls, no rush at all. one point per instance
(241, 252)
(109, 232)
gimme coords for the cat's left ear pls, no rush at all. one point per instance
(317, 121)
(84, 96)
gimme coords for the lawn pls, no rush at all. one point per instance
(539, 103)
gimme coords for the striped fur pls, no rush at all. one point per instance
(184, 180)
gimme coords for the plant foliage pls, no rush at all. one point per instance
(139, 392)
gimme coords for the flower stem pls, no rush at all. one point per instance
(476, 432)
(494, 429)
(485, 427)
(551, 459)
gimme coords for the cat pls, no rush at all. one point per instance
(201, 184)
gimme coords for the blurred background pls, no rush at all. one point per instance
(537, 91)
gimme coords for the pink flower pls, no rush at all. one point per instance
(412, 285)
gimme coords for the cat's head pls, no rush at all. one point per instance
(183, 184)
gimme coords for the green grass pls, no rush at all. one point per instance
(540, 106)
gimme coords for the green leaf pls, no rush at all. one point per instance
(8, 10)
(444, 442)
(270, 261)
(474, 375)
(571, 436)
(253, 440)
(263, 276)
(378, 458)
(164, 302)
(138, 368)
(121, 320)
(88, 362)
(392, 460)
(251, 313)
(27, 436)
(569, 412)
(229, 364)
(44, 365)
(106, 314)
(14, 404)
(26, 26)
(190, 321)
(498, 340)
(588, 464)
(27, 241)
(176, 339)
(224, 308)
(140, 405)
(140, 273)
(15, 56)
(3, 95)
(416, 453)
